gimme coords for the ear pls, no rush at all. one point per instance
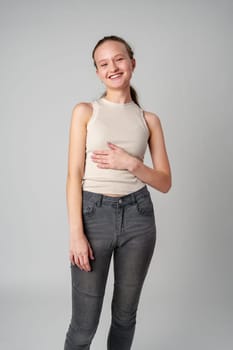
(133, 63)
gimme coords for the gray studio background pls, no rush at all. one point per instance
(184, 74)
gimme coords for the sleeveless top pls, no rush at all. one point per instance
(124, 125)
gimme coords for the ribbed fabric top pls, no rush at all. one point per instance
(124, 125)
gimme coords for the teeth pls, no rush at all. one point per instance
(114, 76)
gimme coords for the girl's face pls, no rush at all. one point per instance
(114, 66)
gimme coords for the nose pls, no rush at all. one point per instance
(113, 65)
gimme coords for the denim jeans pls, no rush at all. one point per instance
(123, 227)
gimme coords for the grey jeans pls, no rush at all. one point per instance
(123, 227)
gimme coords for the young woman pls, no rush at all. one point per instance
(110, 210)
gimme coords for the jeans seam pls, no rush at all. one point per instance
(87, 294)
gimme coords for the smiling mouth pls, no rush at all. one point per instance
(115, 76)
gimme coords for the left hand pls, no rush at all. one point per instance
(114, 158)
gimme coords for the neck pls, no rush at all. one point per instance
(119, 96)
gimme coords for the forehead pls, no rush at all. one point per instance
(108, 49)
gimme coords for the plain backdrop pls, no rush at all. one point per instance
(184, 74)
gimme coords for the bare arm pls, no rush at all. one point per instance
(80, 250)
(159, 176)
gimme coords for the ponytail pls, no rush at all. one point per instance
(134, 95)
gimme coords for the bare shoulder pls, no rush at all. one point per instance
(82, 112)
(153, 121)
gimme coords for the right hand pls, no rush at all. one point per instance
(80, 252)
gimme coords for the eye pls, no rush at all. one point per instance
(120, 59)
(103, 65)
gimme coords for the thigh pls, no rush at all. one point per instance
(88, 287)
(133, 255)
(97, 224)
(137, 240)
(88, 292)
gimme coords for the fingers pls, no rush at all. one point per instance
(82, 261)
(99, 158)
(105, 166)
(112, 145)
(80, 252)
(100, 152)
(91, 252)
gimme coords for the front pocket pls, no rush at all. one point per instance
(145, 206)
(88, 208)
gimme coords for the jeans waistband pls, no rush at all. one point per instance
(130, 198)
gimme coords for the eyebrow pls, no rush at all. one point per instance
(105, 59)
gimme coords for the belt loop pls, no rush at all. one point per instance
(99, 201)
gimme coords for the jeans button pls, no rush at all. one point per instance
(120, 201)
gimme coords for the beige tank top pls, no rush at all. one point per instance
(124, 125)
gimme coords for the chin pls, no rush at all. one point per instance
(119, 85)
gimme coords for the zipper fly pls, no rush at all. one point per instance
(119, 218)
